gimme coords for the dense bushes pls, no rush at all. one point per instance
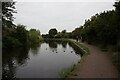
(102, 28)
(16, 35)
(53, 33)
(34, 36)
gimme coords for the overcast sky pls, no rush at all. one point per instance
(59, 15)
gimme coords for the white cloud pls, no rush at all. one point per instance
(62, 15)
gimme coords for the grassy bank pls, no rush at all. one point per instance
(68, 72)
(79, 44)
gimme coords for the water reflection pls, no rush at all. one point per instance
(52, 44)
(35, 49)
(64, 44)
(11, 60)
(76, 49)
(21, 63)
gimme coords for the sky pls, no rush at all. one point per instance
(59, 15)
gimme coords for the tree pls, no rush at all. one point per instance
(15, 35)
(34, 36)
(117, 9)
(8, 28)
(103, 28)
(117, 6)
(77, 32)
(22, 34)
(64, 31)
(64, 34)
(52, 32)
(8, 8)
(45, 35)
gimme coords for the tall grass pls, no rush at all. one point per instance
(66, 72)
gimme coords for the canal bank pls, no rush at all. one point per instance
(95, 65)
(71, 71)
(43, 61)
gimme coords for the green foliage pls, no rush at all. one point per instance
(77, 32)
(18, 36)
(67, 72)
(45, 35)
(22, 34)
(52, 32)
(62, 35)
(80, 46)
(58, 35)
(102, 29)
(34, 36)
(64, 31)
(9, 42)
(14, 36)
(8, 28)
(8, 8)
(117, 6)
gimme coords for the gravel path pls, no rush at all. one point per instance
(96, 65)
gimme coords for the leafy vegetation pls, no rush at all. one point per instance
(102, 29)
(77, 32)
(16, 35)
(65, 73)
(83, 48)
(34, 36)
(52, 33)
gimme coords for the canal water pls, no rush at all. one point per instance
(47, 60)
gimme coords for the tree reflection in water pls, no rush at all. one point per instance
(11, 60)
(64, 44)
(14, 59)
(35, 48)
(53, 44)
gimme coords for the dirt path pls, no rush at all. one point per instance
(96, 65)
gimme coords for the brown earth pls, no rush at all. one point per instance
(96, 65)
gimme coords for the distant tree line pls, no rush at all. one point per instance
(53, 33)
(102, 28)
(16, 35)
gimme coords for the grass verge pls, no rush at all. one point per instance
(83, 48)
(65, 73)
(68, 72)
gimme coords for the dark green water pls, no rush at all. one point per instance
(45, 61)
